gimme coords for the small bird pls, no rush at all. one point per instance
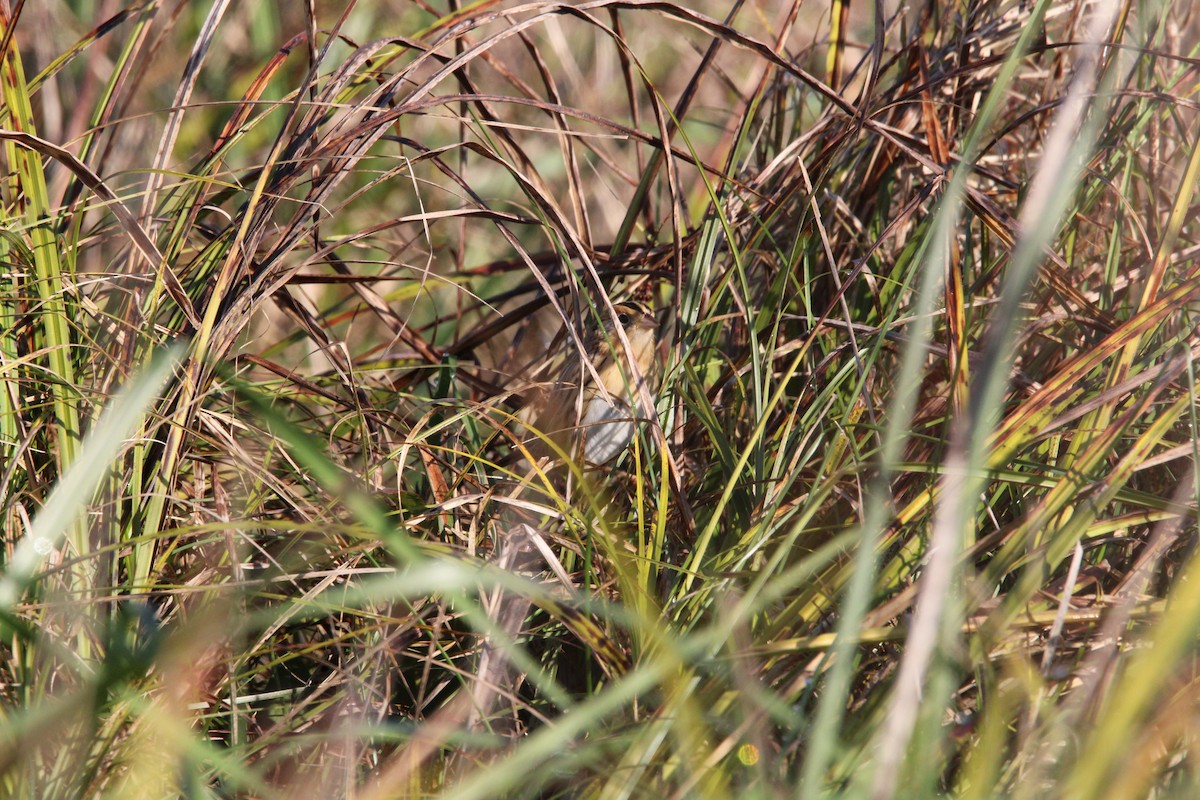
(590, 422)
(583, 420)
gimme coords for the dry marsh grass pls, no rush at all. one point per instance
(912, 513)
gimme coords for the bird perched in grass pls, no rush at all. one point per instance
(587, 414)
(592, 421)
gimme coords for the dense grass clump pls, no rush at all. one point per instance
(911, 511)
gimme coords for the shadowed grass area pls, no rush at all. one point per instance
(911, 509)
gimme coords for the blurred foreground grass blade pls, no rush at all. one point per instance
(27, 173)
(1155, 673)
(313, 458)
(65, 508)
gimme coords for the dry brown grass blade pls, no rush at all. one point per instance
(254, 93)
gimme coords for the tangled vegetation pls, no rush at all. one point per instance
(911, 511)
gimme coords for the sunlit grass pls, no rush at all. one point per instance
(914, 512)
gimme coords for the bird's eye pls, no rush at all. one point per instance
(624, 319)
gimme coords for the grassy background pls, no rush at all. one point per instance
(915, 515)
